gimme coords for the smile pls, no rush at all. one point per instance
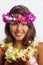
(19, 34)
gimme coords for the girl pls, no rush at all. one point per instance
(20, 46)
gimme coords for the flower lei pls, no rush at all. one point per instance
(27, 17)
(13, 53)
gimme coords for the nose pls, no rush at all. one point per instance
(19, 27)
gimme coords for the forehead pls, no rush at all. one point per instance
(18, 22)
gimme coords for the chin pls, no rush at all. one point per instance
(19, 38)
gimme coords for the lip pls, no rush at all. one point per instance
(19, 34)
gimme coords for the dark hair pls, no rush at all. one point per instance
(32, 32)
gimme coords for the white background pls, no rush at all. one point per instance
(35, 6)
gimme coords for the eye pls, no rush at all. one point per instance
(24, 23)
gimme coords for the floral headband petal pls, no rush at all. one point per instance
(30, 17)
(27, 17)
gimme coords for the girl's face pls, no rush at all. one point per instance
(18, 31)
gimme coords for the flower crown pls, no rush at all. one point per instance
(27, 17)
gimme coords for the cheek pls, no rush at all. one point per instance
(12, 29)
(26, 29)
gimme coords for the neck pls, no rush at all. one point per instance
(18, 44)
(17, 41)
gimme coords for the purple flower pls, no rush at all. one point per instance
(29, 17)
(5, 17)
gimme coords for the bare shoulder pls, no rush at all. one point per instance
(1, 51)
(40, 53)
(40, 45)
(40, 48)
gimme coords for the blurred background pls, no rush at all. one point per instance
(35, 6)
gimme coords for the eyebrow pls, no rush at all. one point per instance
(16, 23)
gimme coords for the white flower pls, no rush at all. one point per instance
(14, 18)
(13, 54)
(35, 43)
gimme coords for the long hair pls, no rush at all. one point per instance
(20, 9)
